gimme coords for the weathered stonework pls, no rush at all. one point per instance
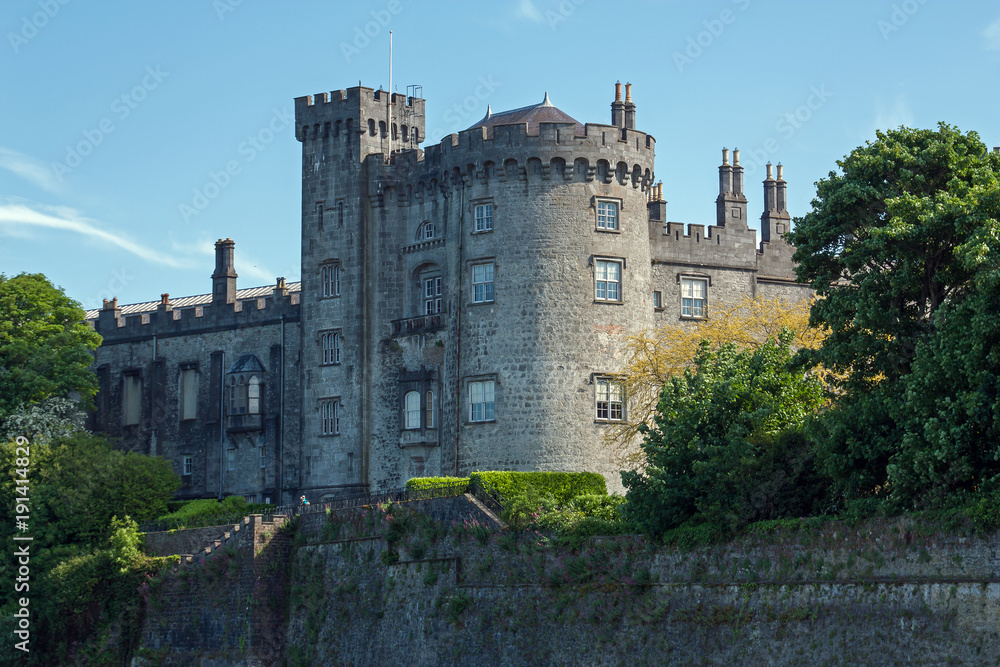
(467, 269)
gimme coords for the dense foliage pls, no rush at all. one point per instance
(653, 357)
(45, 345)
(431, 482)
(562, 486)
(86, 561)
(726, 446)
(901, 246)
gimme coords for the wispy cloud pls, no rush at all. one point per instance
(992, 35)
(16, 215)
(893, 114)
(28, 168)
(526, 10)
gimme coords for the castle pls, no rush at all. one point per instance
(462, 307)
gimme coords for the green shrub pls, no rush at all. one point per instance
(209, 507)
(562, 486)
(430, 482)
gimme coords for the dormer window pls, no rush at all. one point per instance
(426, 231)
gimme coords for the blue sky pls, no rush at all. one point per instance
(116, 115)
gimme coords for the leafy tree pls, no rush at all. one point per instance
(882, 248)
(44, 421)
(45, 345)
(726, 446)
(80, 483)
(653, 357)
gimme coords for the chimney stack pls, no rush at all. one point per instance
(774, 221)
(657, 205)
(618, 107)
(730, 205)
(629, 108)
(224, 278)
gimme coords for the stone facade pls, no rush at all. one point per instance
(463, 307)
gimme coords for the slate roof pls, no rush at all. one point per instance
(543, 112)
(197, 300)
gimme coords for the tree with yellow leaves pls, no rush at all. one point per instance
(653, 357)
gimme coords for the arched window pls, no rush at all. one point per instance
(429, 421)
(371, 127)
(411, 410)
(253, 396)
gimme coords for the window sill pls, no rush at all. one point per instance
(607, 231)
(609, 422)
(609, 303)
(482, 231)
(482, 303)
(485, 421)
(689, 318)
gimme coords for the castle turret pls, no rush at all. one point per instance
(775, 220)
(224, 278)
(731, 205)
(618, 107)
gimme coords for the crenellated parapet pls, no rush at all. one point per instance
(359, 111)
(508, 153)
(114, 326)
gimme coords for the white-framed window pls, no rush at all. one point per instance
(263, 456)
(429, 421)
(657, 300)
(482, 401)
(607, 215)
(482, 283)
(609, 400)
(330, 342)
(330, 279)
(189, 393)
(694, 297)
(133, 399)
(230, 459)
(484, 217)
(428, 231)
(329, 415)
(187, 465)
(411, 410)
(432, 295)
(607, 280)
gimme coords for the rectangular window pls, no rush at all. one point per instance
(133, 399)
(484, 217)
(329, 412)
(432, 295)
(330, 280)
(330, 345)
(263, 456)
(482, 283)
(482, 401)
(411, 410)
(429, 421)
(188, 465)
(694, 294)
(657, 300)
(230, 459)
(189, 393)
(607, 215)
(609, 400)
(608, 278)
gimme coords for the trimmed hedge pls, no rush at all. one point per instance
(560, 485)
(211, 507)
(430, 482)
